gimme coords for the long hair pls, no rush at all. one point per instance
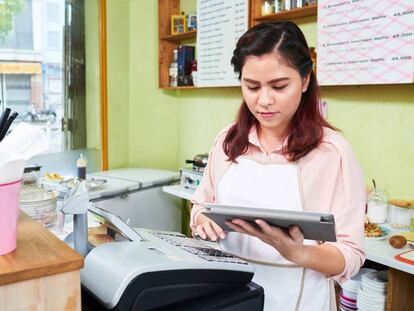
(306, 125)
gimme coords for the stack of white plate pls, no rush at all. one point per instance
(373, 292)
(349, 292)
(39, 203)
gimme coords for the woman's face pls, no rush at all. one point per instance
(272, 91)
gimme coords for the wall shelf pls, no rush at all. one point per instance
(182, 36)
(306, 11)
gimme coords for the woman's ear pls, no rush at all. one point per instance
(305, 83)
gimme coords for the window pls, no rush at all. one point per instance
(52, 12)
(32, 80)
(54, 40)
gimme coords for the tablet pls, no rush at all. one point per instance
(314, 226)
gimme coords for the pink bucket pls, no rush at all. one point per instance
(9, 216)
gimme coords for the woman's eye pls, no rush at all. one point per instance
(281, 87)
(253, 88)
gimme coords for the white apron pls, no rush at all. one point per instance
(286, 286)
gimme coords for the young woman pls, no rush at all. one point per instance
(280, 153)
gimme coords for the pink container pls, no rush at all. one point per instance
(9, 216)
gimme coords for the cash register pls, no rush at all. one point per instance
(158, 270)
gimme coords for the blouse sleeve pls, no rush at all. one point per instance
(348, 207)
(335, 184)
(205, 192)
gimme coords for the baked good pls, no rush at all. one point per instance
(401, 203)
(397, 241)
(372, 230)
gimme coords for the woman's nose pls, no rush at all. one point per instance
(265, 98)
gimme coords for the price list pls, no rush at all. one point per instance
(365, 42)
(220, 25)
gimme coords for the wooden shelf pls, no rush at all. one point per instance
(182, 36)
(169, 88)
(179, 88)
(311, 10)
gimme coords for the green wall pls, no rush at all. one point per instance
(118, 68)
(92, 97)
(167, 127)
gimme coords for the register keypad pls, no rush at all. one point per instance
(197, 248)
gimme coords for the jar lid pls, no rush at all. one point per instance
(402, 203)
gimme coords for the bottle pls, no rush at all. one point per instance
(267, 7)
(194, 72)
(81, 167)
(173, 72)
(313, 57)
(279, 6)
(288, 5)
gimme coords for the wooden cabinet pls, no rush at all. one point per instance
(167, 42)
(43, 273)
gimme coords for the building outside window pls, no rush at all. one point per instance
(31, 58)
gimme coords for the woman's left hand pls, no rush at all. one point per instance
(288, 243)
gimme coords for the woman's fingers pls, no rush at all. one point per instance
(201, 232)
(210, 230)
(296, 234)
(220, 232)
(235, 227)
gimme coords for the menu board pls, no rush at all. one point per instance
(365, 42)
(220, 25)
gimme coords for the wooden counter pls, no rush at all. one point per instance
(43, 273)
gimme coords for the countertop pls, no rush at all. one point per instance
(39, 253)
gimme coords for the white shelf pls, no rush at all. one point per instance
(179, 191)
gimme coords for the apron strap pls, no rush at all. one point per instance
(302, 285)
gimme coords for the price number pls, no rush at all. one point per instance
(404, 13)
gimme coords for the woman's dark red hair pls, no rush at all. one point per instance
(306, 127)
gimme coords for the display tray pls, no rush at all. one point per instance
(314, 226)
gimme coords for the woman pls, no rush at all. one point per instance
(280, 153)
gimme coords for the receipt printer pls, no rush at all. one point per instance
(160, 270)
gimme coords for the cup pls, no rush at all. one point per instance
(9, 215)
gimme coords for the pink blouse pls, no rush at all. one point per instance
(331, 181)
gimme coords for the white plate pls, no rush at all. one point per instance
(385, 234)
(369, 288)
(351, 295)
(33, 195)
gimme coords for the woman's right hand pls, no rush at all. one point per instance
(206, 228)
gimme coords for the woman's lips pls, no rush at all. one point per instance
(267, 115)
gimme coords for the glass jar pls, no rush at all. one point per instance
(377, 206)
(267, 7)
(399, 214)
(31, 175)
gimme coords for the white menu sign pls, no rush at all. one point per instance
(365, 42)
(220, 25)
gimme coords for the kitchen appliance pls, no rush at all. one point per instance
(199, 162)
(135, 194)
(190, 179)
